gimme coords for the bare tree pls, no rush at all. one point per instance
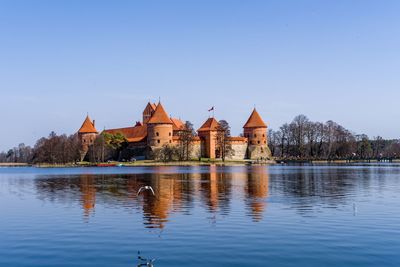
(186, 137)
(222, 139)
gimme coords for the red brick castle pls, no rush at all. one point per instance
(157, 130)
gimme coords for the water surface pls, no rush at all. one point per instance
(201, 216)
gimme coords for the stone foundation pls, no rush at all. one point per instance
(238, 151)
(259, 152)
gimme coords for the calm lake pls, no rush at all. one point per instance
(345, 215)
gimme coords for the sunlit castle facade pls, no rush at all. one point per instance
(157, 130)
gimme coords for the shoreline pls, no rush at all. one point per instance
(151, 163)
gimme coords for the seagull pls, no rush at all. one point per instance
(147, 187)
(145, 262)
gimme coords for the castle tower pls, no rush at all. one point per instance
(208, 135)
(159, 128)
(255, 130)
(148, 112)
(87, 134)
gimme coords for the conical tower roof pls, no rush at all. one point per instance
(159, 116)
(210, 125)
(255, 121)
(87, 126)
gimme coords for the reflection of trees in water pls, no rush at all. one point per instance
(305, 189)
(174, 193)
(311, 188)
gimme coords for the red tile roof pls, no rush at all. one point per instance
(177, 124)
(87, 126)
(153, 105)
(132, 134)
(159, 116)
(255, 121)
(210, 125)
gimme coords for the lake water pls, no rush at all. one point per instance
(201, 216)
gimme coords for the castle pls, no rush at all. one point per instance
(157, 130)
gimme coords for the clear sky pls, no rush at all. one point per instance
(330, 60)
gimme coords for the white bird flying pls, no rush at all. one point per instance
(147, 187)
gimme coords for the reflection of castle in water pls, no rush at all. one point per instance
(88, 189)
(174, 192)
(216, 189)
(257, 192)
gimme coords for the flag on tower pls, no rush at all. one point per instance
(211, 109)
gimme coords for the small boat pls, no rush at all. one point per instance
(106, 165)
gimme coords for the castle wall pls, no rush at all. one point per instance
(159, 135)
(208, 144)
(87, 139)
(256, 136)
(239, 150)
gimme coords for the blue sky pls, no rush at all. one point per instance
(330, 60)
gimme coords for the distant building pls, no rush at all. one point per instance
(87, 134)
(157, 129)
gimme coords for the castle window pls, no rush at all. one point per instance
(157, 134)
(158, 141)
(265, 142)
(255, 135)
(258, 142)
(170, 141)
(169, 134)
(263, 135)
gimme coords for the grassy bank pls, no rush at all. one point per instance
(149, 163)
(203, 162)
(14, 164)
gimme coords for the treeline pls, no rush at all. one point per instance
(63, 149)
(305, 139)
(301, 139)
(52, 149)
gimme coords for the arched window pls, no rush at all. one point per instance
(158, 141)
(258, 142)
(255, 135)
(157, 134)
(170, 134)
